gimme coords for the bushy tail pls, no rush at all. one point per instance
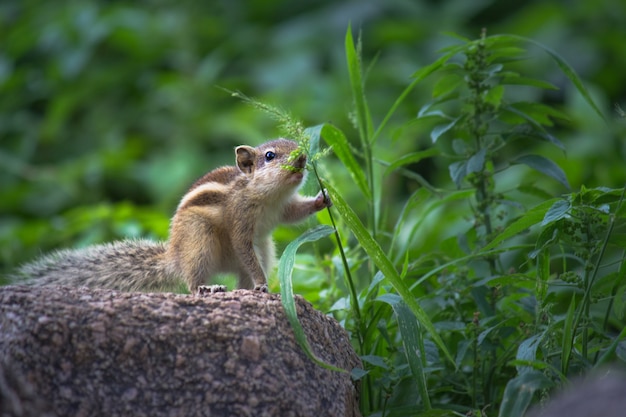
(129, 265)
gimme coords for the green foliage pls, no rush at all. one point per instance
(509, 321)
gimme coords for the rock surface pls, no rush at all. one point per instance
(105, 353)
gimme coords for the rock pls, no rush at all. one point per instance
(104, 353)
(600, 394)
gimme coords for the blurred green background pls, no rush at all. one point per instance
(110, 109)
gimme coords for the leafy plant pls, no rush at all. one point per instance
(483, 320)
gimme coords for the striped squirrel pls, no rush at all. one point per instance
(222, 224)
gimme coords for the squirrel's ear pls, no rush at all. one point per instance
(245, 158)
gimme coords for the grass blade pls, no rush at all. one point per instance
(338, 141)
(356, 82)
(412, 341)
(519, 393)
(545, 166)
(285, 267)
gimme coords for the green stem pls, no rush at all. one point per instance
(344, 260)
(354, 300)
(475, 367)
(589, 279)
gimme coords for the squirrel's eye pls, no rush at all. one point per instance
(269, 155)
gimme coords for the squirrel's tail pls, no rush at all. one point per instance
(129, 265)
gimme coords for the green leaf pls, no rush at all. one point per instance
(412, 342)
(375, 252)
(411, 158)
(519, 392)
(357, 373)
(426, 112)
(458, 171)
(338, 141)
(446, 84)
(477, 162)
(527, 350)
(530, 218)
(516, 79)
(441, 129)
(285, 268)
(375, 360)
(609, 353)
(314, 133)
(541, 114)
(494, 96)
(545, 166)
(556, 212)
(537, 133)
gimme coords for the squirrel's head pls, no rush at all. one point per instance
(274, 166)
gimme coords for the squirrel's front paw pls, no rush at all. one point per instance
(322, 200)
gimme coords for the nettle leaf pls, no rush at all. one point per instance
(459, 146)
(515, 52)
(601, 195)
(477, 162)
(558, 211)
(494, 69)
(412, 158)
(534, 131)
(512, 78)
(547, 237)
(529, 219)
(425, 111)
(441, 129)
(375, 360)
(494, 95)
(537, 112)
(545, 166)
(458, 171)
(527, 351)
(357, 374)
(446, 84)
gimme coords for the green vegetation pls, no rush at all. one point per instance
(476, 249)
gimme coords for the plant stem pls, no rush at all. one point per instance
(351, 287)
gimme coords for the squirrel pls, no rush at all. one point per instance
(222, 224)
